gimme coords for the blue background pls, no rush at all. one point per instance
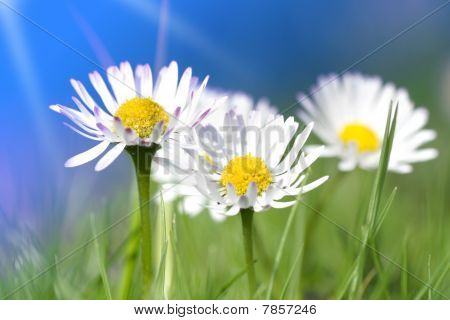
(267, 48)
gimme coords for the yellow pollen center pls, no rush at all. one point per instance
(141, 115)
(365, 138)
(241, 171)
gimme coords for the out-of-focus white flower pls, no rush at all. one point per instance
(350, 117)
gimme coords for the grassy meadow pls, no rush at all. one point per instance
(305, 252)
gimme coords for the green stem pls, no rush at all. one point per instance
(247, 226)
(142, 159)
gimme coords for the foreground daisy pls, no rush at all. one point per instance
(192, 202)
(141, 117)
(247, 167)
(350, 116)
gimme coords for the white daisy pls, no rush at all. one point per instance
(350, 115)
(193, 202)
(138, 112)
(245, 168)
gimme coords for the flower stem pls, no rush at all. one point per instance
(142, 159)
(247, 228)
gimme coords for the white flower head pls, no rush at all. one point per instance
(192, 201)
(247, 163)
(350, 116)
(137, 112)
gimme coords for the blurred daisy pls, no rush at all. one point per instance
(138, 112)
(350, 115)
(192, 201)
(248, 164)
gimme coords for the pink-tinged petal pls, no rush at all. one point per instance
(82, 133)
(116, 81)
(82, 107)
(110, 156)
(130, 136)
(177, 112)
(200, 119)
(87, 156)
(87, 124)
(82, 93)
(55, 107)
(106, 131)
(118, 126)
(157, 132)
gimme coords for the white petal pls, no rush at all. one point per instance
(144, 80)
(88, 155)
(110, 156)
(281, 205)
(347, 165)
(231, 193)
(314, 184)
(103, 91)
(252, 193)
(129, 88)
(234, 210)
(82, 92)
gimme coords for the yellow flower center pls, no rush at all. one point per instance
(365, 138)
(141, 115)
(241, 171)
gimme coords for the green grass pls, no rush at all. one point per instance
(309, 252)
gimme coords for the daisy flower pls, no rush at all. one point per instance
(245, 166)
(250, 165)
(137, 112)
(350, 116)
(192, 201)
(141, 118)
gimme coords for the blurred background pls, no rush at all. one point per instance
(271, 49)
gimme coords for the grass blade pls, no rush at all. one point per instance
(100, 263)
(276, 264)
(385, 211)
(374, 203)
(290, 274)
(436, 279)
(227, 285)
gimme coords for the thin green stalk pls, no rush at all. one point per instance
(280, 250)
(142, 159)
(404, 274)
(100, 263)
(291, 273)
(373, 211)
(247, 226)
